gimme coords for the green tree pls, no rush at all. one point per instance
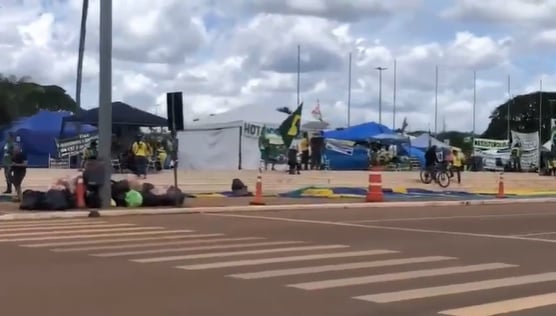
(524, 115)
(21, 97)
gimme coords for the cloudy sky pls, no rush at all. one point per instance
(227, 54)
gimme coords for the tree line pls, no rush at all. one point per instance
(21, 97)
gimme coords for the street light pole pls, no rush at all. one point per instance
(105, 97)
(380, 70)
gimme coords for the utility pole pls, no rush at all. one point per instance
(380, 70)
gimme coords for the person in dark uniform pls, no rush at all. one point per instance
(18, 170)
(7, 161)
(90, 153)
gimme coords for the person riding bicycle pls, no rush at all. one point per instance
(431, 160)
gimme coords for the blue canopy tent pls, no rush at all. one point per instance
(38, 134)
(361, 132)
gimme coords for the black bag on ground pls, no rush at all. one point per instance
(32, 200)
(239, 188)
(57, 200)
(119, 189)
(173, 197)
(150, 199)
(147, 187)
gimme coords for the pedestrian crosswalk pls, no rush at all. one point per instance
(299, 265)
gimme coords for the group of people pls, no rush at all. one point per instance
(140, 152)
(14, 163)
(452, 161)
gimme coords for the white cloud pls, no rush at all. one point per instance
(223, 55)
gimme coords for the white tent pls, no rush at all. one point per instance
(227, 141)
(425, 140)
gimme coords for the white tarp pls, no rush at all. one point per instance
(529, 143)
(425, 140)
(227, 141)
(216, 149)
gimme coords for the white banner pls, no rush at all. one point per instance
(340, 147)
(488, 144)
(529, 144)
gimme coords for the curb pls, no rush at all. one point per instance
(262, 208)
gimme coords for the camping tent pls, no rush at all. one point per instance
(38, 134)
(226, 141)
(361, 132)
(122, 114)
(425, 141)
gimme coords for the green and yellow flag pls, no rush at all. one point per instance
(291, 126)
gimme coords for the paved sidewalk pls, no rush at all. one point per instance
(279, 182)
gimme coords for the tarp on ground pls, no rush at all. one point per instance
(361, 132)
(122, 114)
(38, 134)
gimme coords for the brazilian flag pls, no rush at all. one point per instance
(291, 126)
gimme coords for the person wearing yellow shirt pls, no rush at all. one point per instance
(457, 163)
(304, 149)
(141, 153)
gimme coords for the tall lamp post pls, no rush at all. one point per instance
(380, 70)
(105, 96)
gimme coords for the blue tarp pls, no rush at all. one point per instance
(38, 135)
(414, 152)
(356, 159)
(361, 132)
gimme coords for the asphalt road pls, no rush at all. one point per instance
(464, 261)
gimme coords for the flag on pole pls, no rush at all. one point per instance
(291, 126)
(317, 114)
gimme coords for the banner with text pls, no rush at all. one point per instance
(75, 145)
(490, 144)
(529, 144)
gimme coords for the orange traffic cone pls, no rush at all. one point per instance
(501, 193)
(80, 193)
(374, 193)
(258, 199)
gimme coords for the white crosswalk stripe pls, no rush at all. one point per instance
(158, 244)
(457, 288)
(50, 223)
(504, 307)
(253, 262)
(113, 241)
(329, 266)
(65, 227)
(236, 253)
(86, 236)
(337, 267)
(184, 249)
(327, 284)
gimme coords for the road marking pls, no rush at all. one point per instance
(378, 227)
(158, 244)
(48, 228)
(457, 288)
(236, 253)
(158, 232)
(78, 231)
(336, 267)
(535, 234)
(328, 284)
(228, 246)
(504, 307)
(254, 262)
(117, 240)
(428, 218)
(51, 223)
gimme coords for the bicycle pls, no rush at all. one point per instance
(439, 174)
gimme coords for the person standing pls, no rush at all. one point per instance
(304, 149)
(458, 162)
(18, 170)
(141, 152)
(7, 161)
